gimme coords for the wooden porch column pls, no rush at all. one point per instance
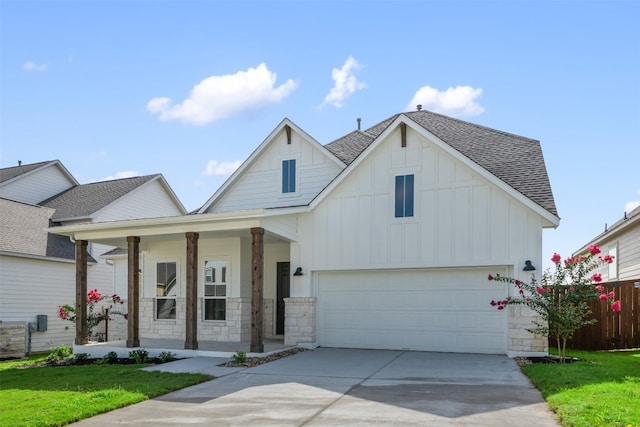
(82, 332)
(257, 254)
(133, 291)
(191, 324)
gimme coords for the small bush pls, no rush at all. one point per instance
(80, 356)
(109, 358)
(166, 356)
(59, 353)
(239, 357)
(140, 355)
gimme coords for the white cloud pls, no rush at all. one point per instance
(215, 167)
(121, 175)
(629, 206)
(455, 101)
(32, 66)
(345, 83)
(218, 97)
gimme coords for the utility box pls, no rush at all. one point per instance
(41, 323)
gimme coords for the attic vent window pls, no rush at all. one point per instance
(403, 135)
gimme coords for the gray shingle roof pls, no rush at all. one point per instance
(11, 172)
(514, 159)
(23, 231)
(83, 200)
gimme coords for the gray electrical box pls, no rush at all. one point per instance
(41, 323)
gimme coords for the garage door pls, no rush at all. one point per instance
(432, 310)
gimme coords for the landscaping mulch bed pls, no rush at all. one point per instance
(544, 359)
(250, 362)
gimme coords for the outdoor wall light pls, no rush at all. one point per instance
(298, 272)
(528, 266)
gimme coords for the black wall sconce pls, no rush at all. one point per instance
(298, 272)
(528, 266)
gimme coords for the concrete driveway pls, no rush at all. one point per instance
(342, 387)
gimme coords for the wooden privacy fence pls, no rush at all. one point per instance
(614, 329)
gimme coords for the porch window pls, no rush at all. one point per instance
(404, 196)
(289, 176)
(166, 290)
(613, 267)
(215, 290)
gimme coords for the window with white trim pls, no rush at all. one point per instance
(215, 290)
(404, 196)
(166, 290)
(289, 176)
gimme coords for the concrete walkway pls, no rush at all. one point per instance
(341, 387)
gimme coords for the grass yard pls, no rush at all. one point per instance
(53, 396)
(603, 389)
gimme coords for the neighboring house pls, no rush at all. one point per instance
(616, 329)
(622, 241)
(381, 239)
(37, 267)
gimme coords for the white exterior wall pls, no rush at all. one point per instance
(147, 201)
(260, 186)
(461, 219)
(35, 286)
(37, 186)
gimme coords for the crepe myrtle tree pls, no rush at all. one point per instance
(99, 308)
(561, 298)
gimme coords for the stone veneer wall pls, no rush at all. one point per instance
(268, 328)
(237, 326)
(519, 339)
(13, 339)
(300, 321)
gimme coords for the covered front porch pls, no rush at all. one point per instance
(155, 346)
(211, 295)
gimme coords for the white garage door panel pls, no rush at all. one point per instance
(442, 310)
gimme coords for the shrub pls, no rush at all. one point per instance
(166, 356)
(110, 358)
(140, 355)
(59, 353)
(239, 357)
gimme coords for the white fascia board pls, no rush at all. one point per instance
(160, 226)
(615, 230)
(552, 220)
(258, 151)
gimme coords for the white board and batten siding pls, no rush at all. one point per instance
(37, 186)
(260, 185)
(150, 200)
(460, 218)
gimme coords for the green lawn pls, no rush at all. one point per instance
(52, 396)
(603, 389)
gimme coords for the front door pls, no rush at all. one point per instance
(282, 285)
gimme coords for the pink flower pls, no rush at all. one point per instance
(556, 258)
(540, 290)
(597, 278)
(608, 259)
(600, 288)
(572, 289)
(521, 292)
(490, 277)
(517, 282)
(616, 306)
(126, 316)
(603, 297)
(594, 250)
(612, 294)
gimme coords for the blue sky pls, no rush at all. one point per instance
(189, 89)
